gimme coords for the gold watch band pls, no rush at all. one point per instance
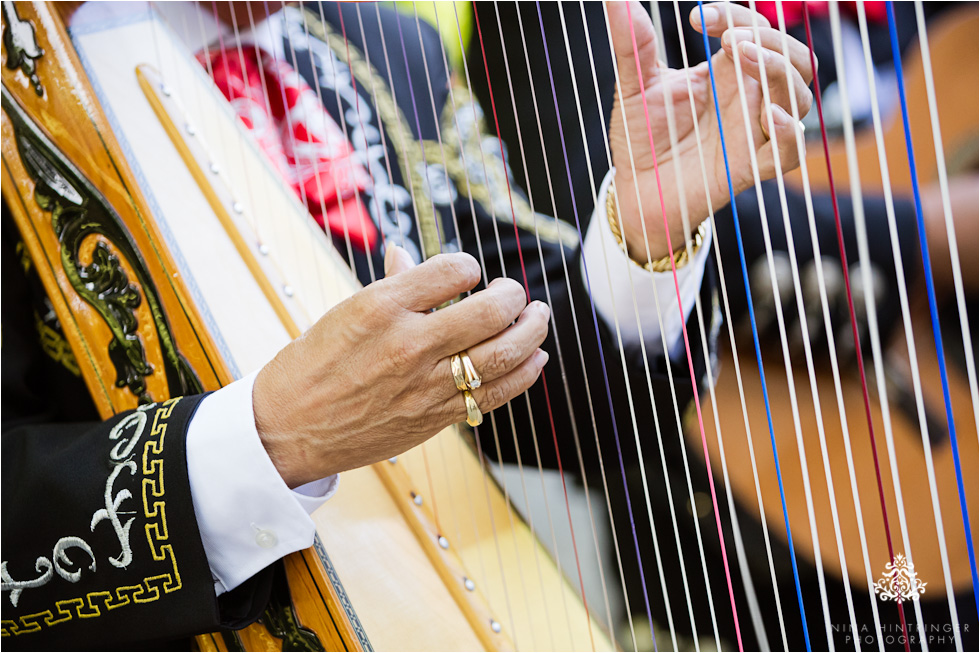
(680, 257)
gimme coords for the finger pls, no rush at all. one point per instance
(480, 316)
(772, 39)
(434, 282)
(625, 23)
(397, 260)
(496, 356)
(716, 18)
(775, 66)
(494, 395)
(786, 129)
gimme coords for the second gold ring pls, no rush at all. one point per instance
(474, 416)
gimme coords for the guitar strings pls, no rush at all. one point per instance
(933, 308)
(687, 345)
(755, 332)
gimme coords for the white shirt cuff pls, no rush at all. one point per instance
(247, 515)
(607, 262)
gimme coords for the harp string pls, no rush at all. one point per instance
(784, 342)
(947, 211)
(642, 342)
(543, 373)
(595, 322)
(871, 310)
(477, 439)
(483, 268)
(585, 377)
(832, 349)
(677, 418)
(889, 440)
(343, 27)
(755, 332)
(687, 344)
(933, 307)
(520, 464)
(483, 272)
(615, 312)
(798, 291)
(735, 358)
(548, 295)
(741, 556)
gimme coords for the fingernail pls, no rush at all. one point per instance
(734, 36)
(541, 358)
(710, 16)
(543, 309)
(390, 258)
(750, 51)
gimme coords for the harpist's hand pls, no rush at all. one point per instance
(372, 379)
(659, 80)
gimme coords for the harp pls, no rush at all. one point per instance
(123, 161)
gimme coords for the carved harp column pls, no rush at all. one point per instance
(87, 228)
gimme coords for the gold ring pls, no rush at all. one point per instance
(464, 372)
(459, 376)
(474, 417)
(473, 378)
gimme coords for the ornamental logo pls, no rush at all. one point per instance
(899, 582)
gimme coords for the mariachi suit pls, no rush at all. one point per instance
(84, 501)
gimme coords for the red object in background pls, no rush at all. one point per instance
(875, 10)
(302, 140)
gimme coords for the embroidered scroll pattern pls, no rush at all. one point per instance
(126, 454)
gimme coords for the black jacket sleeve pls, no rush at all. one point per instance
(100, 542)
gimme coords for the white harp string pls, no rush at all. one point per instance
(808, 353)
(748, 584)
(861, 229)
(784, 342)
(731, 332)
(832, 352)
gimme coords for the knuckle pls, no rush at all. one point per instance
(406, 351)
(497, 395)
(502, 358)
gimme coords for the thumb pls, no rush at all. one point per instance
(397, 260)
(633, 37)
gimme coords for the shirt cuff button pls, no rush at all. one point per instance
(266, 539)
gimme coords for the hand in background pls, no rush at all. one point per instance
(372, 377)
(659, 80)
